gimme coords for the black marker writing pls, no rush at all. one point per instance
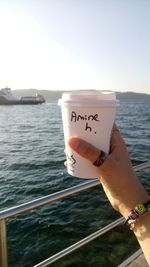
(71, 162)
(87, 118)
(88, 127)
(75, 117)
(74, 161)
(71, 159)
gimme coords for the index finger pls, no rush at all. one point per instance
(116, 139)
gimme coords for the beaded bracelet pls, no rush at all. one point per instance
(138, 211)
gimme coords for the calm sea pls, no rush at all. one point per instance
(31, 166)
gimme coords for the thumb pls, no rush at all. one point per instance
(83, 148)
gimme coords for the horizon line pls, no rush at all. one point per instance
(62, 90)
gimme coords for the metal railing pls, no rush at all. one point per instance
(7, 213)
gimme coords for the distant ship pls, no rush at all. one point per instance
(7, 98)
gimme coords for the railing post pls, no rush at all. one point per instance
(3, 244)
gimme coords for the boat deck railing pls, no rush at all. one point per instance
(7, 213)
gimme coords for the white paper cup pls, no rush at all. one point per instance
(89, 115)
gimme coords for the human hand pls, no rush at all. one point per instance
(116, 174)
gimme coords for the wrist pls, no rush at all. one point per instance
(142, 226)
(136, 213)
(138, 197)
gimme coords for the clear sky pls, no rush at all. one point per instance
(75, 44)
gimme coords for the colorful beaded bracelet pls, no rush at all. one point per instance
(139, 210)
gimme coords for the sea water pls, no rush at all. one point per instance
(32, 166)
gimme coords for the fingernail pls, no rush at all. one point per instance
(74, 143)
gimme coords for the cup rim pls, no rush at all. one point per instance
(94, 103)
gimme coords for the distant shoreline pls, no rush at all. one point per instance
(51, 95)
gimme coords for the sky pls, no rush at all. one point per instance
(75, 44)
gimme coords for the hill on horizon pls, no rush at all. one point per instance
(51, 95)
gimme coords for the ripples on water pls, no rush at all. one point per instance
(31, 159)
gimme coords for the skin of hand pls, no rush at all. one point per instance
(119, 182)
(116, 174)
